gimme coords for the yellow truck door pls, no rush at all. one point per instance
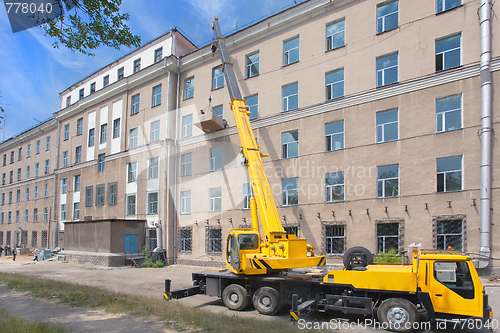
(453, 289)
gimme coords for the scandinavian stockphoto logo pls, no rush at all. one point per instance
(32, 13)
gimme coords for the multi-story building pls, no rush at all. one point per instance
(370, 112)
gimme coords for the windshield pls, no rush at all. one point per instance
(248, 241)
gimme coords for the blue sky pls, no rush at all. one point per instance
(32, 72)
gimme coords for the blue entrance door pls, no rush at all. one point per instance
(130, 242)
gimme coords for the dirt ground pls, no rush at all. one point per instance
(151, 281)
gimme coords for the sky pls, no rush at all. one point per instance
(33, 72)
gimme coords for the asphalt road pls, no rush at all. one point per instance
(150, 282)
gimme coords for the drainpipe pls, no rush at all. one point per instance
(165, 182)
(485, 133)
(56, 227)
(176, 161)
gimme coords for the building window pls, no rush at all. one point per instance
(76, 211)
(28, 152)
(290, 144)
(68, 101)
(387, 16)
(101, 164)
(120, 73)
(155, 131)
(81, 94)
(18, 174)
(20, 154)
(215, 159)
(335, 35)
(104, 133)
(158, 54)
(47, 143)
(66, 132)
(92, 88)
(448, 53)
(130, 202)
(449, 113)
(134, 105)
(116, 128)
(152, 205)
(247, 194)
(11, 176)
(334, 133)
(290, 97)
(91, 137)
(214, 239)
(186, 239)
(11, 157)
(35, 195)
(99, 195)
(156, 96)
(79, 126)
(153, 168)
(37, 169)
(37, 149)
(290, 191)
(77, 182)
(185, 202)
(291, 51)
(187, 125)
(105, 81)
(216, 199)
(89, 193)
(131, 172)
(64, 185)
(4, 159)
(444, 5)
(3, 199)
(63, 212)
(46, 191)
(133, 137)
(27, 172)
(387, 237)
(78, 154)
(387, 70)
(27, 195)
(334, 190)
(186, 164)
(26, 217)
(137, 65)
(388, 181)
(217, 78)
(65, 159)
(219, 111)
(18, 196)
(45, 215)
(335, 84)
(253, 106)
(387, 125)
(252, 64)
(449, 174)
(47, 166)
(113, 193)
(334, 239)
(450, 233)
(3, 178)
(189, 87)
(35, 215)
(9, 221)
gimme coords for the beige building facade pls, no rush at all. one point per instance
(369, 110)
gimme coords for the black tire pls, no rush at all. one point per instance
(398, 315)
(266, 300)
(357, 256)
(235, 297)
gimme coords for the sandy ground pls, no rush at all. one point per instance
(150, 282)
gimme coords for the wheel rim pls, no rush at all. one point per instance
(233, 299)
(398, 315)
(265, 302)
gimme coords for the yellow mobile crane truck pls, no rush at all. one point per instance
(259, 267)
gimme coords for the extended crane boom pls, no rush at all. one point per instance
(277, 251)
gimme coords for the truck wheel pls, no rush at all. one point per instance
(266, 300)
(235, 297)
(398, 314)
(357, 256)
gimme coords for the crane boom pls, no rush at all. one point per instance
(277, 251)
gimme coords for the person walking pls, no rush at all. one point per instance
(14, 253)
(1, 250)
(35, 253)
